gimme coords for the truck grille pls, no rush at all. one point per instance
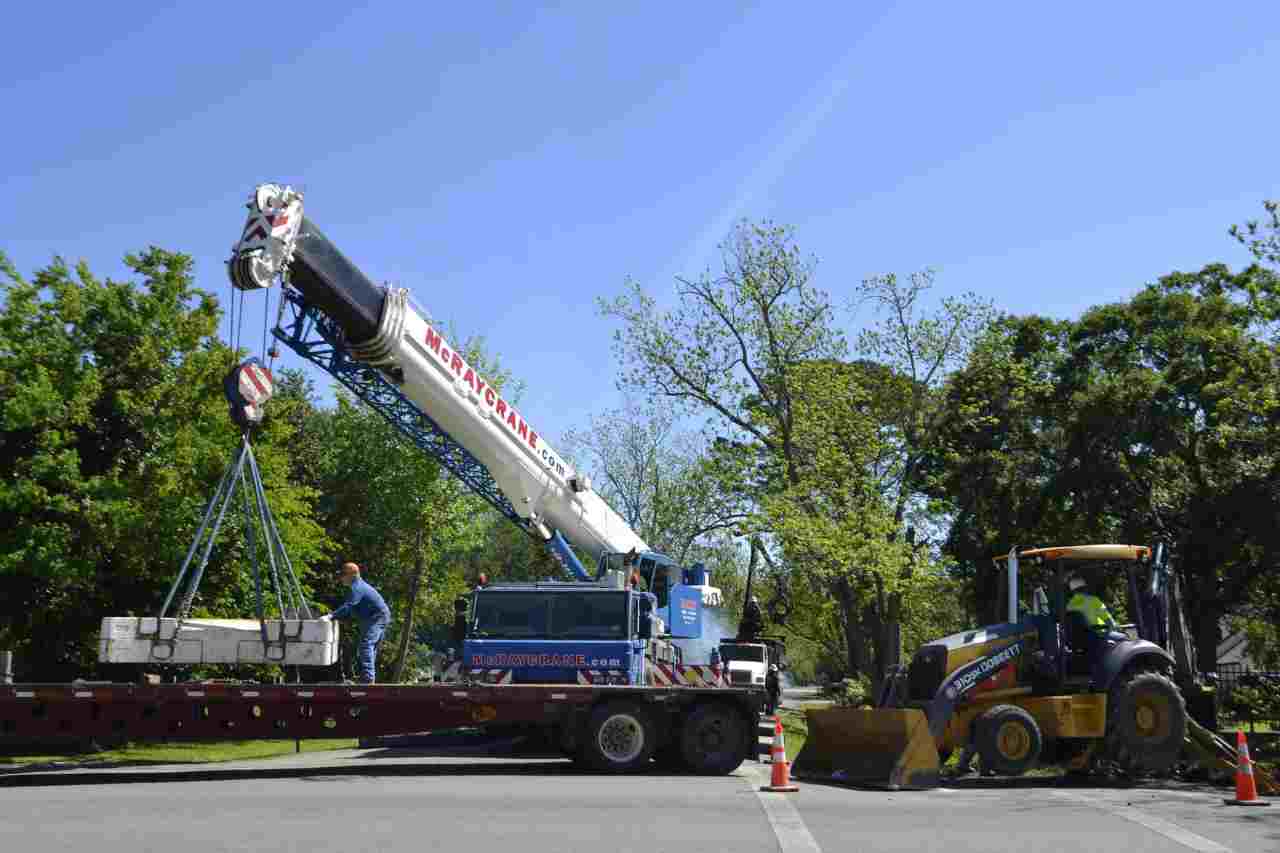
(739, 676)
(924, 676)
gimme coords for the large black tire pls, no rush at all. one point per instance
(620, 737)
(670, 758)
(713, 739)
(1146, 722)
(1008, 740)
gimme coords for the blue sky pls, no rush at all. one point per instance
(511, 162)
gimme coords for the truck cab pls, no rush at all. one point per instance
(554, 632)
(747, 663)
(754, 663)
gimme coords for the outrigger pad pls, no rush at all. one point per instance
(881, 748)
(291, 642)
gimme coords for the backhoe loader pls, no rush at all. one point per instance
(1033, 689)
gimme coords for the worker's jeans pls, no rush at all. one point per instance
(367, 654)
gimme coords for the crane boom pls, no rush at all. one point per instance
(425, 386)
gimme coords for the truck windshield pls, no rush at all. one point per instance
(551, 615)
(753, 654)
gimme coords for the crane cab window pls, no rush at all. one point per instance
(657, 579)
(750, 654)
(551, 615)
(589, 616)
(661, 586)
(511, 614)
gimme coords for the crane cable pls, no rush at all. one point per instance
(266, 314)
(274, 352)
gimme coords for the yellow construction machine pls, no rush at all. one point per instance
(1039, 688)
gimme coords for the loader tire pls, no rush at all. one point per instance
(1146, 722)
(713, 739)
(620, 737)
(1008, 740)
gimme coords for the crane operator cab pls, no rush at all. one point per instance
(680, 592)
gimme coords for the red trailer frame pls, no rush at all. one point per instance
(212, 710)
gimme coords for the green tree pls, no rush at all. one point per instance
(1000, 453)
(656, 475)
(906, 360)
(114, 432)
(1262, 238)
(1145, 419)
(839, 525)
(756, 348)
(1173, 403)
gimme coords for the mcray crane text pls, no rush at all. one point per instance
(505, 412)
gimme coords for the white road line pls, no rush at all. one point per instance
(788, 827)
(1173, 832)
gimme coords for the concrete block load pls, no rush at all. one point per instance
(290, 642)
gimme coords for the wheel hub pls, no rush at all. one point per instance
(1013, 741)
(711, 735)
(1150, 717)
(621, 738)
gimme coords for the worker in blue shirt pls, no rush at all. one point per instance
(367, 606)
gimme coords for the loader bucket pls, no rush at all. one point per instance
(883, 748)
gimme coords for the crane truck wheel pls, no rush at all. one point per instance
(620, 737)
(1146, 722)
(670, 757)
(713, 739)
(1008, 740)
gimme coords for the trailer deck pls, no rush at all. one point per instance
(211, 710)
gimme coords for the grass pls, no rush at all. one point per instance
(183, 753)
(795, 730)
(1249, 728)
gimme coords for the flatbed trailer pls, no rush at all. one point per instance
(618, 728)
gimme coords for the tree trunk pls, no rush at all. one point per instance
(406, 630)
(873, 626)
(855, 642)
(1208, 634)
(891, 636)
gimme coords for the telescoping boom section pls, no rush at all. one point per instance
(419, 371)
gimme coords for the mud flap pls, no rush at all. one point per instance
(883, 748)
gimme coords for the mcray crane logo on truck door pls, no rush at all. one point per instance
(488, 395)
(686, 612)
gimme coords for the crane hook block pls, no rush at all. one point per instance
(248, 387)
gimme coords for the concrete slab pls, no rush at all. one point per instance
(291, 642)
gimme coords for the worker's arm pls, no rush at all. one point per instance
(354, 598)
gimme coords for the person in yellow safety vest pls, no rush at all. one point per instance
(1096, 615)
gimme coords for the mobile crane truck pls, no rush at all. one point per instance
(595, 661)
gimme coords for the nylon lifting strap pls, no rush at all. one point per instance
(259, 526)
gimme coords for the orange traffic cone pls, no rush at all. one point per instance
(781, 776)
(1246, 789)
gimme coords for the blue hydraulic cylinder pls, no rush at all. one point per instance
(564, 555)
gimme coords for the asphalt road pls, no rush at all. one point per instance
(395, 800)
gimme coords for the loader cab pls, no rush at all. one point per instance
(1073, 652)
